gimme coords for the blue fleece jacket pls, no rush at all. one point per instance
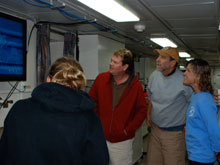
(202, 129)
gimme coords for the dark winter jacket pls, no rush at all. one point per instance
(56, 126)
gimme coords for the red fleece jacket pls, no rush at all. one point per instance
(128, 115)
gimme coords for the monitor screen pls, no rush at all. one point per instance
(12, 48)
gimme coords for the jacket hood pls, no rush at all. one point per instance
(61, 98)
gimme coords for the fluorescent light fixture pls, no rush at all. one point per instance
(188, 59)
(164, 42)
(182, 67)
(111, 9)
(184, 54)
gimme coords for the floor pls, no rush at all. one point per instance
(142, 160)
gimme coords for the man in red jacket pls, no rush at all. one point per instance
(120, 105)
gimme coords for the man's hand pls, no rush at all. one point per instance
(217, 99)
(125, 132)
(217, 155)
(148, 121)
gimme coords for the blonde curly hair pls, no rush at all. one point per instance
(68, 72)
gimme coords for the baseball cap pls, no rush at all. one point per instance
(168, 51)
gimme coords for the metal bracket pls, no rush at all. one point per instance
(63, 5)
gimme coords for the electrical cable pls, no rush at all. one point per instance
(12, 90)
(22, 91)
(29, 38)
(96, 25)
(35, 3)
(60, 23)
(70, 14)
(9, 94)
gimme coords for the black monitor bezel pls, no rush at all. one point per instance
(24, 74)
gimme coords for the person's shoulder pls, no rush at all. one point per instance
(135, 80)
(179, 72)
(21, 105)
(23, 102)
(102, 78)
(178, 75)
(204, 97)
(103, 75)
(155, 73)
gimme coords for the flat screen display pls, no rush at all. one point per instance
(12, 48)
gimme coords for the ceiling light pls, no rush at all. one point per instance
(184, 54)
(139, 27)
(182, 67)
(164, 42)
(188, 59)
(111, 9)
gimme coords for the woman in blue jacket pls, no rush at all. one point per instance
(57, 125)
(202, 129)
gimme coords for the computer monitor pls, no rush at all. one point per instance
(12, 48)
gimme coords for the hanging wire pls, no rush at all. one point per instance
(75, 17)
(22, 91)
(70, 14)
(36, 3)
(29, 38)
(9, 94)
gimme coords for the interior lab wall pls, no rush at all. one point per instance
(216, 78)
(150, 66)
(144, 66)
(95, 53)
(56, 46)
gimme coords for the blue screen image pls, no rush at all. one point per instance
(11, 47)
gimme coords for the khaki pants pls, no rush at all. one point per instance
(166, 147)
(120, 153)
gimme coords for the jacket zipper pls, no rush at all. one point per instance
(110, 129)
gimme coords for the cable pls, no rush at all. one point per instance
(59, 23)
(35, 3)
(9, 94)
(29, 38)
(75, 17)
(22, 91)
(69, 14)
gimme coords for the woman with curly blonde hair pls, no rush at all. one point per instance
(202, 130)
(57, 125)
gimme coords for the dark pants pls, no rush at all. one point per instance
(197, 163)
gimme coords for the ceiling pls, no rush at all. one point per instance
(194, 25)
